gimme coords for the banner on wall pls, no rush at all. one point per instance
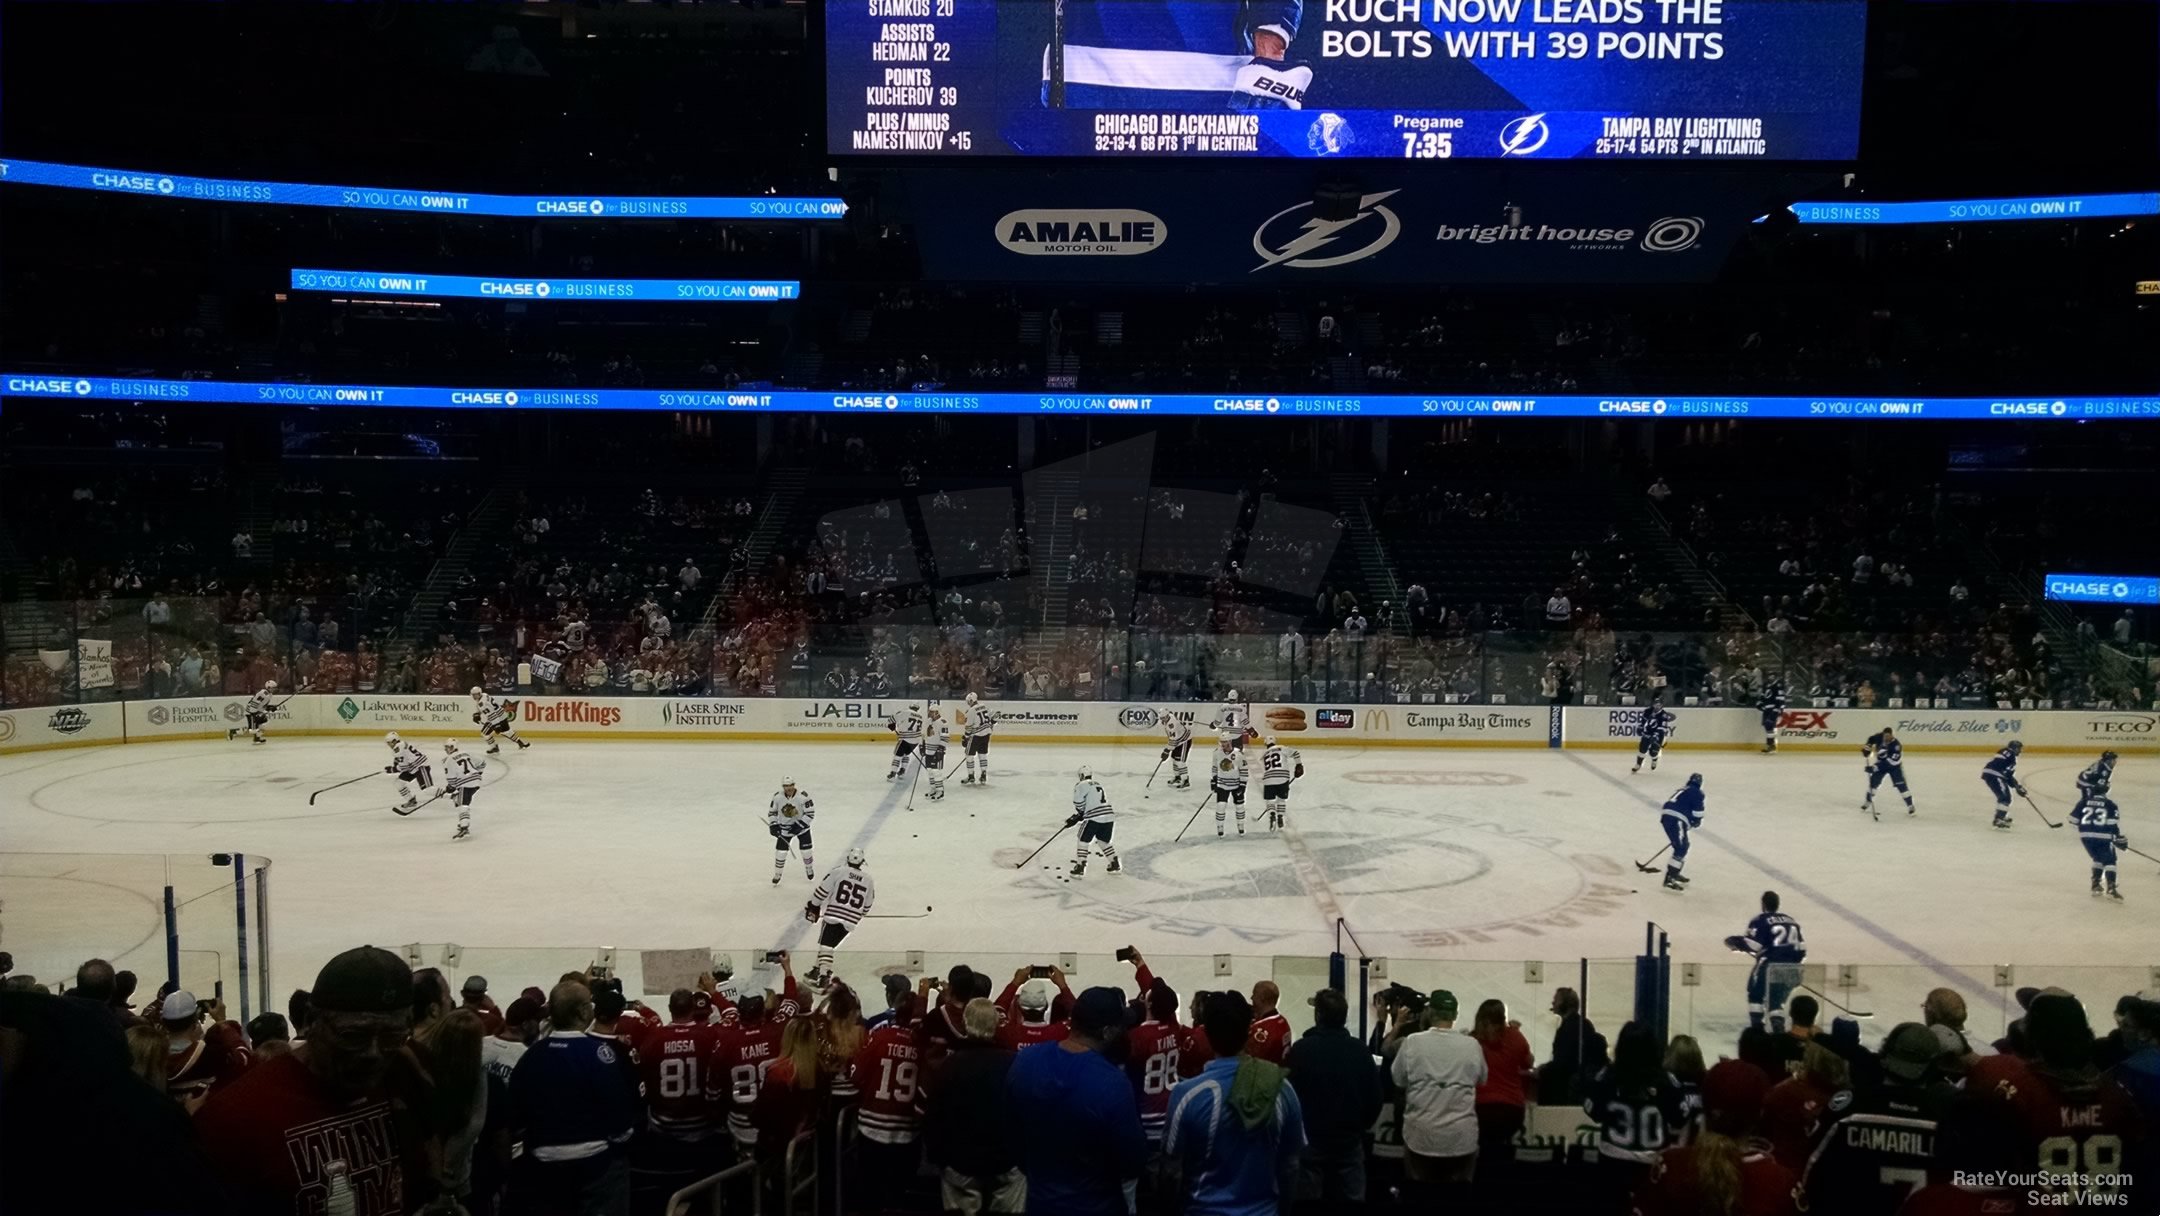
(61, 726)
(206, 717)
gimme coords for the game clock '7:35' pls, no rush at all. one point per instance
(1428, 145)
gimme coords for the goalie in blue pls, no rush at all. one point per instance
(1179, 55)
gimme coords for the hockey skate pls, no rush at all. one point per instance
(2097, 889)
(522, 744)
(2002, 821)
(1117, 866)
(494, 750)
(968, 780)
(1673, 883)
(2114, 893)
(776, 877)
(1653, 763)
(464, 831)
(1869, 807)
(259, 741)
(232, 734)
(1079, 869)
(937, 793)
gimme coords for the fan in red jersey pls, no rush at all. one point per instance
(745, 1050)
(2075, 1125)
(1729, 1168)
(1270, 1036)
(682, 1093)
(1034, 1009)
(887, 1071)
(1151, 1055)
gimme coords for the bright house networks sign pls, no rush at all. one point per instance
(2104, 588)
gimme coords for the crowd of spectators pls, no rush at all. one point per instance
(381, 1088)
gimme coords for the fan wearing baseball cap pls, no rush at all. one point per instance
(1881, 1141)
(1728, 1168)
(272, 1135)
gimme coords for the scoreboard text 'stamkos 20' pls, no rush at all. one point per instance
(1609, 80)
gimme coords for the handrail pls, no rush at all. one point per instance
(790, 1186)
(678, 1204)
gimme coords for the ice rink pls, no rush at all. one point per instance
(1456, 866)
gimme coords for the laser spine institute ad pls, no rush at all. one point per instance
(1611, 80)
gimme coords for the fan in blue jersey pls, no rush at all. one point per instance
(1650, 735)
(1772, 704)
(1775, 940)
(1683, 814)
(2099, 828)
(2000, 776)
(1885, 757)
(2096, 778)
(1179, 55)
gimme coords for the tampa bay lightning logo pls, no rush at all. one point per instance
(1525, 136)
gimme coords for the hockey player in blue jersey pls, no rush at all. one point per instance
(2097, 777)
(1885, 757)
(1683, 814)
(1651, 733)
(1177, 55)
(1772, 703)
(2099, 829)
(1775, 940)
(2000, 776)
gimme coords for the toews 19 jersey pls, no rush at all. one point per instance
(887, 1070)
(1151, 1060)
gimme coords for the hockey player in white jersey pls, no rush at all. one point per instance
(1279, 766)
(937, 734)
(1175, 55)
(493, 715)
(976, 723)
(839, 903)
(258, 710)
(411, 766)
(462, 772)
(907, 729)
(1096, 817)
(1177, 747)
(1226, 776)
(1233, 719)
(788, 818)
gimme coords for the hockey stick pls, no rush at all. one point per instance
(1057, 55)
(896, 915)
(340, 785)
(1195, 816)
(916, 780)
(1858, 1013)
(420, 806)
(2036, 809)
(2140, 852)
(1151, 774)
(1039, 848)
(1646, 867)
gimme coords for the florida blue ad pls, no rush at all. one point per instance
(1612, 80)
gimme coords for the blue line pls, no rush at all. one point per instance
(885, 807)
(1828, 904)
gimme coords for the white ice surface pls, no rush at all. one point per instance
(1453, 865)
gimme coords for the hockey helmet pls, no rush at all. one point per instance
(914, 709)
(723, 966)
(2107, 757)
(1231, 698)
(1694, 780)
(449, 747)
(391, 738)
(478, 692)
(2017, 745)
(1085, 773)
(1270, 740)
(269, 685)
(855, 859)
(787, 783)
(971, 698)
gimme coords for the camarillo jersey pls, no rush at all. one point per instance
(1090, 803)
(844, 895)
(463, 771)
(1278, 764)
(791, 813)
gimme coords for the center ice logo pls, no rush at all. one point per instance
(347, 709)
